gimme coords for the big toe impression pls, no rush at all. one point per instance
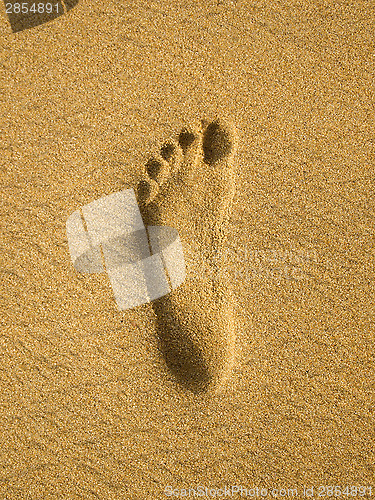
(218, 142)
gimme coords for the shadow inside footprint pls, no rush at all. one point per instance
(183, 357)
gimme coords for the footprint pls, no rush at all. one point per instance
(190, 185)
(69, 4)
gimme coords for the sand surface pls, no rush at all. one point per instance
(88, 408)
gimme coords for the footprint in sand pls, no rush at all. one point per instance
(190, 186)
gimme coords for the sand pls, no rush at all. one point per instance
(90, 406)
